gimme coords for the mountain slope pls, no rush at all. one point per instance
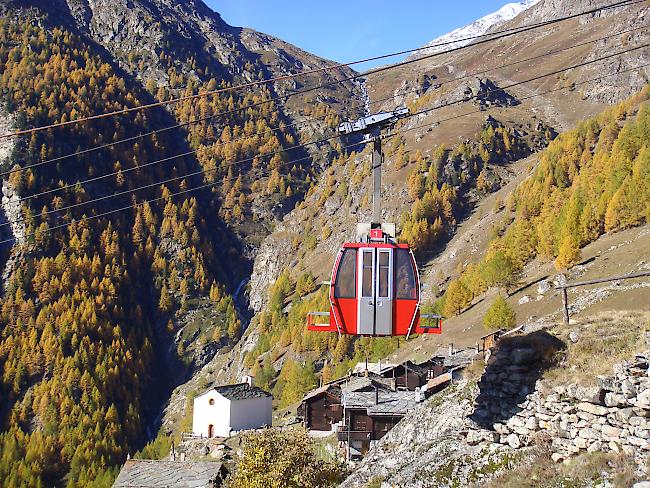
(101, 319)
(559, 110)
(455, 156)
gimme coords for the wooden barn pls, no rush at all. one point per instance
(321, 408)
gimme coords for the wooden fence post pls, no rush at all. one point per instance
(565, 306)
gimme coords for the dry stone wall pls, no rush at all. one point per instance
(512, 408)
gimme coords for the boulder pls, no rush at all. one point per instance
(522, 431)
(624, 414)
(611, 433)
(543, 287)
(595, 446)
(580, 442)
(513, 441)
(473, 437)
(591, 408)
(585, 417)
(643, 399)
(629, 389)
(591, 394)
(515, 422)
(639, 422)
(588, 433)
(615, 400)
(532, 423)
(608, 383)
(637, 441)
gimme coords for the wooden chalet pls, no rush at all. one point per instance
(321, 408)
(395, 386)
(370, 415)
(408, 375)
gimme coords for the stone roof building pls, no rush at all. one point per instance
(369, 415)
(147, 473)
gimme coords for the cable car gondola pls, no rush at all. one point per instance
(374, 286)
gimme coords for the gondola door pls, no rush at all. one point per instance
(375, 313)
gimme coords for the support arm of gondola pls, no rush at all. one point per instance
(377, 159)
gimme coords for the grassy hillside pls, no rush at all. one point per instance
(591, 180)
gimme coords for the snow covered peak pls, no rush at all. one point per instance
(478, 27)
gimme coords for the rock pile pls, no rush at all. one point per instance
(486, 94)
(613, 415)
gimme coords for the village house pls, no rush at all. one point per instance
(223, 410)
(369, 415)
(321, 408)
(408, 375)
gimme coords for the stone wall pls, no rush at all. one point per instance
(513, 408)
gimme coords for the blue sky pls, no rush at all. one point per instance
(344, 31)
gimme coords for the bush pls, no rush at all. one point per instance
(283, 460)
(500, 315)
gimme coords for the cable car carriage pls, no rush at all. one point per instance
(375, 291)
(374, 286)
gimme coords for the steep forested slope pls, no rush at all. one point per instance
(94, 318)
(78, 314)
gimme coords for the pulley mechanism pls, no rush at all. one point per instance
(370, 123)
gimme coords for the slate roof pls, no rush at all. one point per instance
(146, 473)
(240, 391)
(334, 389)
(390, 402)
(377, 368)
(361, 382)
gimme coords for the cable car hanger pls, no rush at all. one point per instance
(374, 285)
(370, 127)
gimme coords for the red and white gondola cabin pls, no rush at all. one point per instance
(375, 291)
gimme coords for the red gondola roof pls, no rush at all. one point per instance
(381, 245)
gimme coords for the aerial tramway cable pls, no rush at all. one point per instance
(274, 129)
(316, 142)
(480, 39)
(208, 185)
(308, 121)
